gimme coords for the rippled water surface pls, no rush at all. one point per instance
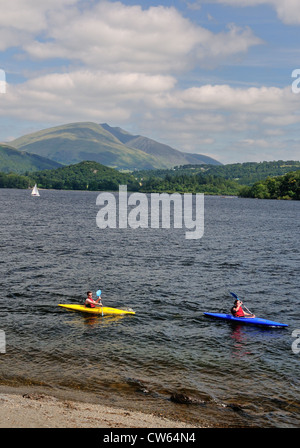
(52, 252)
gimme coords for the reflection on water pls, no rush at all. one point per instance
(81, 319)
(240, 347)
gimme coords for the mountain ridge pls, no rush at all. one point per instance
(13, 160)
(153, 147)
(114, 147)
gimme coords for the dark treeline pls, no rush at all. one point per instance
(13, 180)
(280, 187)
(82, 176)
(184, 179)
(190, 183)
(243, 173)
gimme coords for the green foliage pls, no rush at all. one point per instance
(12, 180)
(186, 179)
(187, 183)
(222, 180)
(84, 176)
(280, 187)
(243, 173)
(250, 172)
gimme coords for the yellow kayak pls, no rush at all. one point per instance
(98, 310)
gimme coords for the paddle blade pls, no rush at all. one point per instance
(234, 295)
(98, 292)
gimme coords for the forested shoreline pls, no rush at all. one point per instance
(231, 180)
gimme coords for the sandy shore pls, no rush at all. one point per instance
(36, 410)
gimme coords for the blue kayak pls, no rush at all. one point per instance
(246, 320)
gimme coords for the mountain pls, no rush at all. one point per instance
(113, 147)
(165, 153)
(76, 142)
(12, 160)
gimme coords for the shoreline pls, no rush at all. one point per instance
(31, 409)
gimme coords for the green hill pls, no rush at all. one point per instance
(224, 180)
(86, 175)
(242, 173)
(12, 160)
(166, 154)
(250, 172)
(113, 147)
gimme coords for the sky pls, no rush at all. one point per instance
(213, 77)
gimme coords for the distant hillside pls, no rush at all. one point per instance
(12, 160)
(249, 172)
(243, 173)
(113, 147)
(161, 151)
(84, 176)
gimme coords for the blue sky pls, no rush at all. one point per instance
(207, 76)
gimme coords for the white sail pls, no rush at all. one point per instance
(35, 191)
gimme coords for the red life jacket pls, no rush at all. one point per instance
(238, 313)
(90, 305)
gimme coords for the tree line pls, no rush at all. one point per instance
(279, 187)
(243, 173)
(81, 176)
(187, 183)
(186, 179)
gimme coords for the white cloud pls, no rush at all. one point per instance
(287, 10)
(82, 95)
(217, 119)
(119, 37)
(119, 65)
(263, 101)
(198, 119)
(21, 20)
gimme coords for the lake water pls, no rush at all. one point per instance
(52, 252)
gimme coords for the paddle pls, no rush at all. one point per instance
(98, 293)
(236, 297)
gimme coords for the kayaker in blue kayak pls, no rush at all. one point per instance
(90, 302)
(237, 310)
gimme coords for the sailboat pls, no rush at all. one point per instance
(35, 191)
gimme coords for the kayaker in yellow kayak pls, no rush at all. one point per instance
(90, 302)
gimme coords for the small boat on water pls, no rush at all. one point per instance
(246, 320)
(35, 191)
(98, 310)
